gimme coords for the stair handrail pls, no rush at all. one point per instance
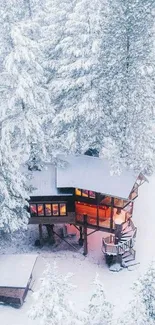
(114, 249)
(130, 223)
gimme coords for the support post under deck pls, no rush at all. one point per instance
(40, 234)
(98, 202)
(50, 234)
(85, 235)
(81, 236)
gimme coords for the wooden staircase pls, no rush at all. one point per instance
(123, 251)
(128, 258)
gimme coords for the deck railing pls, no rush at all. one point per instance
(128, 223)
(110, 248)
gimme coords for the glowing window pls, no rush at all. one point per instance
(33, 209)
(55, 209)
(106, 200)
(48, 210)
(62, 209)
(134, 193)
(40, 210)
(120, 203)
(92, 194)
(85, 193)
(77, 191)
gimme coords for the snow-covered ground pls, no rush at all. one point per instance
(117, 285)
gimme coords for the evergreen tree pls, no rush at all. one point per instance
(13, 189)
(52, 305)
(11, 12)
(100, 311)
(142, 308)
(77, 81)
(25, 94)
(141, 74)
(20, 116)
(52, 21)
(145, 288)
(127, 84)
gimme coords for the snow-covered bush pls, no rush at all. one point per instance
(100, 311)
(141, 309)
(52, 302)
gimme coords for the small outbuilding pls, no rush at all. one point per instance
(16, 273)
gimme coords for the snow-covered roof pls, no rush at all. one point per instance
(15, 270)
(92, 173)
(43, 182)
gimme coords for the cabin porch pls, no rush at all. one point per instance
(102, 216)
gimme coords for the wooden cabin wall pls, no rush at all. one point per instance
(100, 210)
(70, 210)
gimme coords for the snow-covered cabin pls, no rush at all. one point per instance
(83, 186)
(83, 193)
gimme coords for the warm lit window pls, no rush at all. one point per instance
(85, 193)
(33, 209)
(48, 210)
(77, 191)
(55, 209)
(40, 210)
(92, 194)
(120, 203)
(106, 200)
(62, 209)
(134, 193)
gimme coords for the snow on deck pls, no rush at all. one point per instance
(15, 270)
(92, 173)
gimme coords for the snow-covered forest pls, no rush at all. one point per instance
(57, 290)
(74, 75)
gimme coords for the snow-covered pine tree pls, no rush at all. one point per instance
(26, 95)
(11, 12)
(140, 144)
(33, 7)
(52, 305)
(76, 79)
(51, 21)
(141, 309)
(112, 86)
(135, 314)
(13, 188)
(127, 84)
(100, 311)
(42, 33)
(145, 288)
